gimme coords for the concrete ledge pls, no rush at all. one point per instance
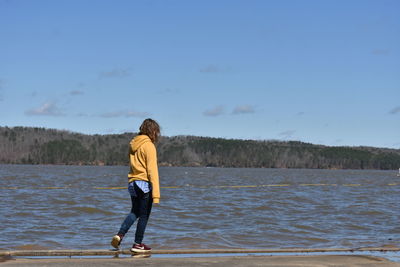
(104, 252)
(243, 261)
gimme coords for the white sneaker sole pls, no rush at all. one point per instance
(116, 241)
(140, 250)
(141, 255)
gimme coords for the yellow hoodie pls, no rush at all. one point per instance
(143, 163)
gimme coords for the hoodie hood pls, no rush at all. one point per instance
(138, 141)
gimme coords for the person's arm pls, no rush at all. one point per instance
(152, 171)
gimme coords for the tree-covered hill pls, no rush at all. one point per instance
(27, 145)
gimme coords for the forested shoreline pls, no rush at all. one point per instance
(31, 145)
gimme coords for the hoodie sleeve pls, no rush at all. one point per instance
(152, 170)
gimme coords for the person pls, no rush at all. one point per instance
(143, 184)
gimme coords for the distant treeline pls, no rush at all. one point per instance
(27, 145)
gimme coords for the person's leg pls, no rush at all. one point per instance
(127, 223)
(145, 205)
(132, 216)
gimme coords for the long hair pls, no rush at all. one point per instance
(150, 128)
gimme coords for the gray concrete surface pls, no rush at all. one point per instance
(287, 261)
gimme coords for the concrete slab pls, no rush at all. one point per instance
(287, 261)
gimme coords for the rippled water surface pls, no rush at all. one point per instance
(81, 207)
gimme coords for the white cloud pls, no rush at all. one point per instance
(395, 110)
(76, 92)
(110, 131)
(219, 110)
(380, 52)
(137, 114)
(115, 73)
(124, 113)
(287, 134)
(243, 109)
(210, 69)
(169, 91)
(47, 109)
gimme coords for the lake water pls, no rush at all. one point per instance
(82, 207)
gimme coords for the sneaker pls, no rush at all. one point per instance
(140, 248)
(141, 255)
(116, 241)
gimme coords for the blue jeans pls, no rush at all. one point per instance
(141, 208)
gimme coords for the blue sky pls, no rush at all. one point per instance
(324, 72)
